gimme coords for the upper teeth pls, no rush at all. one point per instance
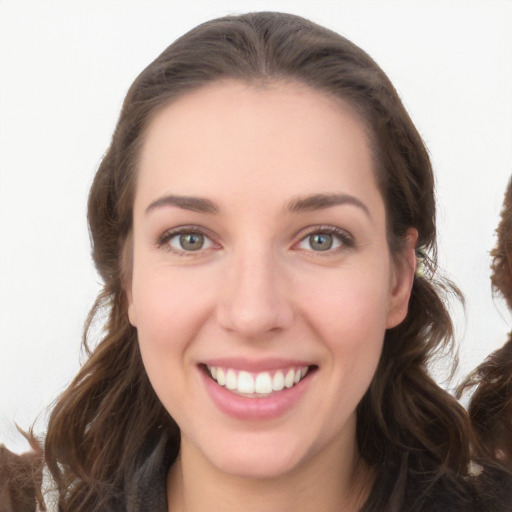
(257, 383)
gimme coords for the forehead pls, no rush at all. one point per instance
(233, 137)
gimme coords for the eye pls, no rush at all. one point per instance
(328, 239)
(188, 241)
(185, 240)
(320, 241)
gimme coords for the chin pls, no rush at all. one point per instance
(257, 467)
(256, 460)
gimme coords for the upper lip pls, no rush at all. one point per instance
(256, 365)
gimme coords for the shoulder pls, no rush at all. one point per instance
(494, 490)
(451, 495)
(399, 489)
(448, 492)
(145, 486)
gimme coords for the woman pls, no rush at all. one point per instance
(255, 221)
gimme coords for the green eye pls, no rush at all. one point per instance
(327, 239)
(187, 242)
(320, 241)
(191, 241)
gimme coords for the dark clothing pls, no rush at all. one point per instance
(146, 489)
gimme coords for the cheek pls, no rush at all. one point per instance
(167, 305)
(349, 314)
(353, 305)
(169, 312)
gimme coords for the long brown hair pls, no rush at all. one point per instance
(490, 408)
(411, 431)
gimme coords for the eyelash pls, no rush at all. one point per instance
(345, 239)
(165, 239)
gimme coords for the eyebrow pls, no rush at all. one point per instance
(194, 204)
(300, 204)
(322, 201)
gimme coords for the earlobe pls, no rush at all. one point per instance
(402, 281)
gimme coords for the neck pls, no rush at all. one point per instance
(332, 481)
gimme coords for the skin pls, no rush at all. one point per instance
(257, 290)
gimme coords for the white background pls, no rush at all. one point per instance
(64, 69)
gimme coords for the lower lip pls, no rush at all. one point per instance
(258, 408)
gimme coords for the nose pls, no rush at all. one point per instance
(254, 299)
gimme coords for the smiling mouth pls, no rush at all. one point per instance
(260, 384)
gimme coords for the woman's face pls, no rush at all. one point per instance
(262, 281)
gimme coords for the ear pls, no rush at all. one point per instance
(402, 280)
